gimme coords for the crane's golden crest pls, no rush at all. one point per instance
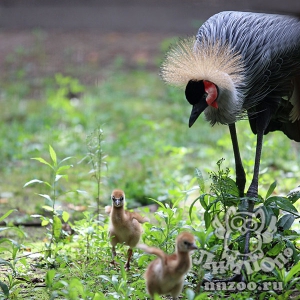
(203, 60)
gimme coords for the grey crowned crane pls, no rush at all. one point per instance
(242, 64)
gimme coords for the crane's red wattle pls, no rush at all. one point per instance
(212, 93)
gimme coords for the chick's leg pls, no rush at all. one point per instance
(113, 254)
(129, 254)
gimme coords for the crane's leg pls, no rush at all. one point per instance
(262, 119)
(239, 169)
(240, 182)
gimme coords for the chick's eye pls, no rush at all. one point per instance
(121, 198)
(186, 243)
(113, 198)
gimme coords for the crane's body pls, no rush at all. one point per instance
(242, 64)
(239, 64)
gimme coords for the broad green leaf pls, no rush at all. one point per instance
(37, 181)
(63, 168)
(231, 187)
(294, 270)
(81, 192)
(202, 296)
(7, 214)
(276, 249)
(104, 277)
(269, 213)
(293, 197)
(99, 296)
(290, 245)
(286, 205)
(57, 226)
(65, 216)
(53, 155)
(32, 181)
(286, 221)
(4, 288)
(58, 177)
(47, 207)
(200, 179)
(281, 202)
(43, 161)
(3, 240)
(191, 207)
(207, 219)
(123, 272)
(45, 222)
(158, 202)
(5, 263)
(204, 203)
(292, 283)
(65, 159)
(49, 277)
(46, 197)
(271, 189)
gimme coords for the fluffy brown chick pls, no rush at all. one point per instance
(125, 227)
(165, 275)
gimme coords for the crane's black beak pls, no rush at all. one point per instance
(197, 109)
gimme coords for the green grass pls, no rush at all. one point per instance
(147, 138)
(151, 153)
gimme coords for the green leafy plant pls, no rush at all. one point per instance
(224, 195)
(171, 217)
(56, 215)
(97, 160)
(8, 245)
(87, 229)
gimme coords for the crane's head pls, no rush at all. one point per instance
(200, 94)
(118, 198)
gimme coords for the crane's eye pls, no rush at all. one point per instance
(121, 198)
(187, 243)
(194, 91)
(113, 198)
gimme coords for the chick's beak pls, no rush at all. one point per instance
(117, 202)
(193, 246)
(197, 109)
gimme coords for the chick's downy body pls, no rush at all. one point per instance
(125, 227)
(165, 275)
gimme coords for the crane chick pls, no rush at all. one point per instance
(124, 227)
(165, 275)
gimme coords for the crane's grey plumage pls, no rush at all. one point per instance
(269, 46)
(253, 60)
(242, 64)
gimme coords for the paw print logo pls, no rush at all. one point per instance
(243, 222)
